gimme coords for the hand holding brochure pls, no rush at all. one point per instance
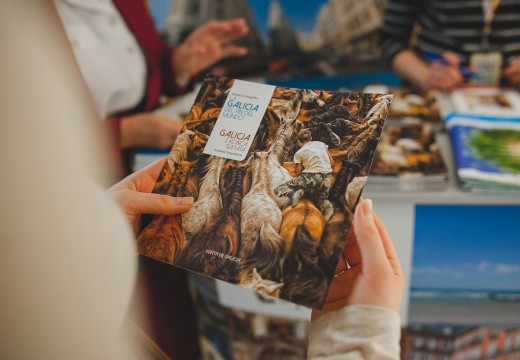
(276, 174)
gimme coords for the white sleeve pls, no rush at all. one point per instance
(297, 158)
(356, 332)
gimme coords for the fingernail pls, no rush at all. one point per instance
(367, 208)
(359, 211)
(185, 201)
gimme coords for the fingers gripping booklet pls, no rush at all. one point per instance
(275, 174)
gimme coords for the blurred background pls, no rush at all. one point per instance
(286, 39)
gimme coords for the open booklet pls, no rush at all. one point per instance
(256, 220)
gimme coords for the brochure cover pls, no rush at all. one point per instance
(236, 323)
(408, 158)
(275, 174)
(484, 126)
(487, 153)
(408, 105)
(465, 294)
(493, 102)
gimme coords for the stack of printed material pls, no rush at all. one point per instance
(484, 126)
(408, 159)
(408, 106)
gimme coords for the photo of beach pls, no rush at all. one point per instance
(464, 304)
(461, 282)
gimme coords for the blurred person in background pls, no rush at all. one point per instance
(482, 35)
(127, 67)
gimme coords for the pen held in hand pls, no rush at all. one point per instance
(465, 71)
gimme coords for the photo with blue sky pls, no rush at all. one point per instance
(467, 247)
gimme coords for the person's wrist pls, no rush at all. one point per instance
(181, 72)
(422, 77)
(181, 81)
(127, 133)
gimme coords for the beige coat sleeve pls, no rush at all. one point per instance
(356, 332)
(67, 265)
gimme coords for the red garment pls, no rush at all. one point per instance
(160, 79)
(168, 303)
(156, 53)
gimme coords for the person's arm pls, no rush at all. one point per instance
(298, 168)
(426, 76)
(360, 319)
(400, 16)
(205, 46)
(173, 83)
(512, 72)
(355, 332)
(399, 19)
(147, 130)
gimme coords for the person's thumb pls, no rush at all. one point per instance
(367, 235)
(157, 204)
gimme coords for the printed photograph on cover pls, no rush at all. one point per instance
(410, 105)
(407, 149)
(235, 323)
(487, 101)
(254, 336)
(212, 319)
(462, 282)
(498, 147)
(492, 101)
(464, 303)
(238, 298)
(487, 154)
(460, 342)
(262, 327)
(275, 219)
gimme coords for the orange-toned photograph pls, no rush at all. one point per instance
(275, 222)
